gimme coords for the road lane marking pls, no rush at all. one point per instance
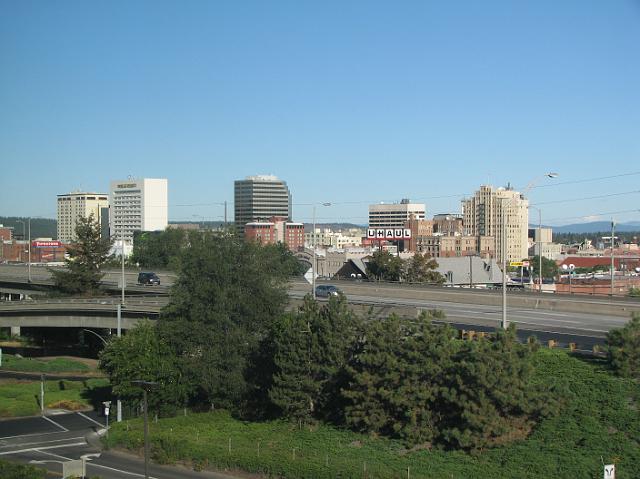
(39, 449)
(55, 423)
(93, 464)
(55, 455)
(42, 442)
(89, 419)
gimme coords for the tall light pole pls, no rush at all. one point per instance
(146, 387)
(29, 249)
(313, 246)
(539, 247)
(613, 266)
(530, 185)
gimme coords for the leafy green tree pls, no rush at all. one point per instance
(142, 355)
(623, 348)
(158, 249)
(384, 266)
(549, 267)
(86, 255)
(421, 268)
(226, 295)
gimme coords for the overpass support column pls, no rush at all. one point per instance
(15, 330)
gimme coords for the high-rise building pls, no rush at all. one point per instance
(74, 205)
(137, 205)
(258, 198)
(395, 215)
(492, 211)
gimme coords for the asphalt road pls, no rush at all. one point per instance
(47, 442)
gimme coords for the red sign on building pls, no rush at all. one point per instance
(47, 244)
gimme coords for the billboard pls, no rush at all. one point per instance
(46, 244)
(391, 234)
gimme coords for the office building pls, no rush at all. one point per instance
(258, 198)
(74, 205)
(137, 205)
(492, 212)
(395, 215)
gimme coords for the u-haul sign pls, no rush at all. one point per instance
(389, 233)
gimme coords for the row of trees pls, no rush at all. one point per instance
(225, 341)
(420, 268)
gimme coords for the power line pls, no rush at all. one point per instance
(586, 198)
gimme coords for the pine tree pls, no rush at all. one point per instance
(623, 348)
(86, 255)
(421, 268)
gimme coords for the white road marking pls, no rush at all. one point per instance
(39, 449)
(89, 419)
(55, 455)
(93, 464)
(42, 442)
(55, 423)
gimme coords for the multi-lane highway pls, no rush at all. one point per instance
(537, 313)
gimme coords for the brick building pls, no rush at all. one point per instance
(277, 230)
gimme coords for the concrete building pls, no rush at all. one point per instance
(325, 237)
(137, 205)
(395, 215)
(258, 198)
(541, 239)
(75, 205)
(490, 212)
(277, 230)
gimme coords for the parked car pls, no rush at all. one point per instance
(326, 290)
(148, 279)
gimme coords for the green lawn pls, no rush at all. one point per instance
(601, 419)
(57, 365)
(22, 398)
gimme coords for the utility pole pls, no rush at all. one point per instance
(613, 266)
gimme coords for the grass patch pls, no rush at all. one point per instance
(22, 398)
(600, 419)
(38, 365)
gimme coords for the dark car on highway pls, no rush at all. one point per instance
(148, 279)
(326, 290)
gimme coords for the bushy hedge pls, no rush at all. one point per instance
(599, 420)
(9, 470)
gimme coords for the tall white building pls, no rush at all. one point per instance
(490, 211)
(74, 205)
(395, 215)
(137, 205)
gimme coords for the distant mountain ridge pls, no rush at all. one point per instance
(595, 227)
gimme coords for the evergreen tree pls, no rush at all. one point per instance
(85, 257)
(227, 294)
(312, 347)
(489, 392)
(623, 348)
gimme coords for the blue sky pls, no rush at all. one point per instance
(350, 102)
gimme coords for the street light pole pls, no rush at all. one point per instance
(613, 266)
(504, 266)
(313, 243)
(29, 249)
(146, 386)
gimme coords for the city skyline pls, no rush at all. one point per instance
(349, 104)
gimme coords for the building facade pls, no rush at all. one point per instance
(75, 205)
(137, 205)
(277, 230)
(492, 212)
(395, 215)
(258, 198)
